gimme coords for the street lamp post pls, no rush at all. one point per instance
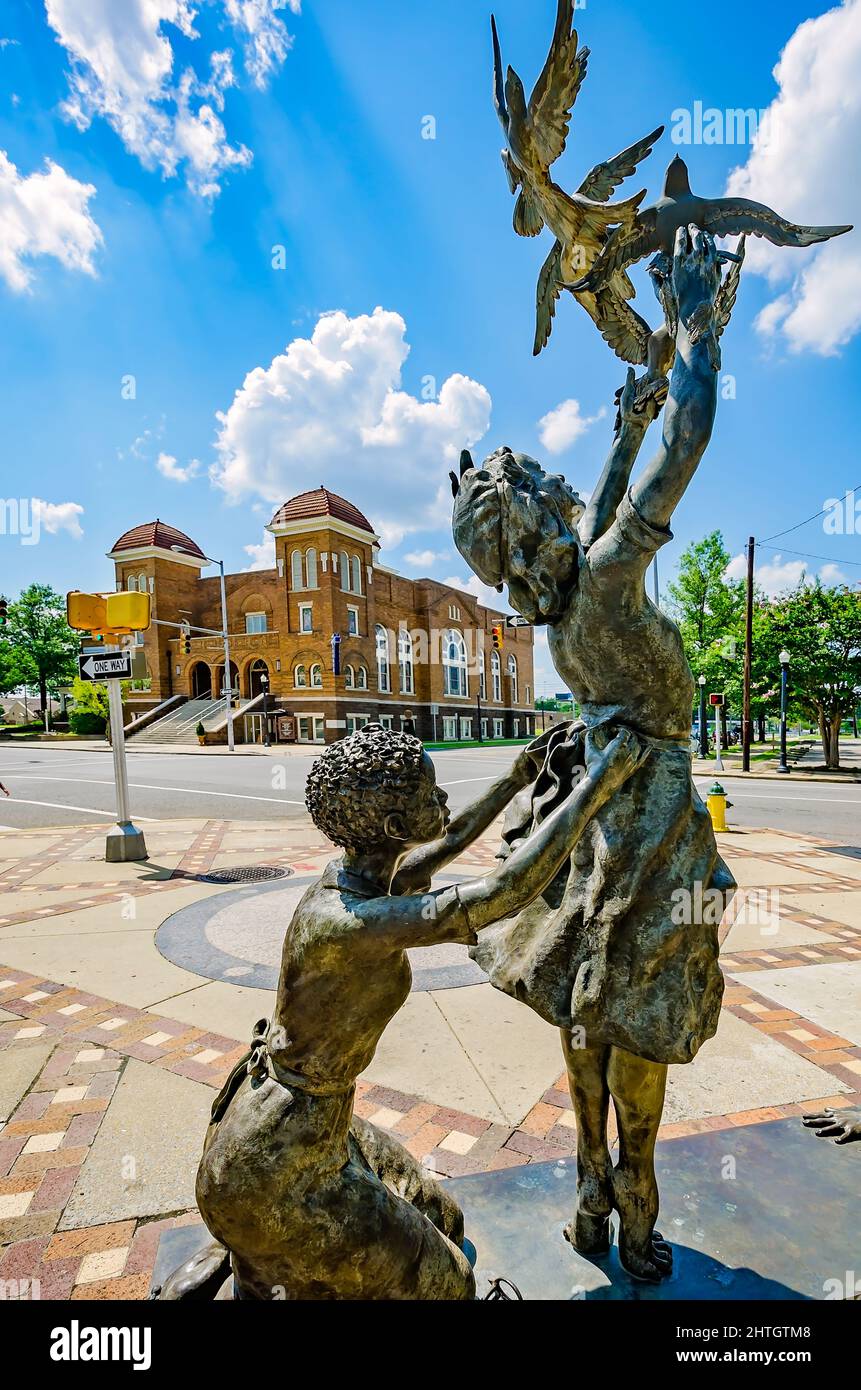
(704, 733)
(264, 681)
(783, 765)
(228, 684)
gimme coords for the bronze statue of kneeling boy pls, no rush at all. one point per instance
(305, 1199)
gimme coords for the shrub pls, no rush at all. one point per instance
(85, 721)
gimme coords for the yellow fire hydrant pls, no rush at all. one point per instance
(717, 802)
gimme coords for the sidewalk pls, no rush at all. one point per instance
(114, 1044)
(810, 766)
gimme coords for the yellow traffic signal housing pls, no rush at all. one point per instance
(122, 612)
(497, 636)
(85, 612)
(128, 611)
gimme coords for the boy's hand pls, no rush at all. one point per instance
(530, 760)
(618, 760)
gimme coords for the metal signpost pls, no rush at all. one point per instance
(124, 841)
(717, 702)
(112, 615)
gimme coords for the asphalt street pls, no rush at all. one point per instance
(68, 786)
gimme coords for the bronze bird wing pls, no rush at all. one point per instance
(621, 250)
(600, 182)
(733, 216)
(556, 89)
(726, 295)
(549, 290)
(498, 79)
(621, 326)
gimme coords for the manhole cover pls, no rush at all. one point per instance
(247, 873)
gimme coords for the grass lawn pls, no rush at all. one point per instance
(474, 743)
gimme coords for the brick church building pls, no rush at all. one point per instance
(413, 652)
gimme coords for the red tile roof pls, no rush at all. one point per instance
(159, 534)
(321, 502)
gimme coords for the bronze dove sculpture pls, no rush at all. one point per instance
(679, 207)
(535, 138)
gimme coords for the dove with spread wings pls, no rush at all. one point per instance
(581, 222)
(678, 207)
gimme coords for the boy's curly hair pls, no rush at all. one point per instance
(360, 780)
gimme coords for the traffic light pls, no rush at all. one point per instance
(85, 612)
(116, 613)
(497, 636)
(128, 611)
(4, 612)
(185, 644)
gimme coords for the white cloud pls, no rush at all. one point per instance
(58, 516)
(485, 593)
(265, 37)
(330, 409)
(423, 559)
(176, 472)
(262, 555)
(122, 69)
(44, 214)
(777, 575)
(563, 426)
(832, 574)
(806, 163)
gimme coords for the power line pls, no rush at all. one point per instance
(815, 517)
(806, 554)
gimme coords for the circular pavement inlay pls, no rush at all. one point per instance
(237, 937)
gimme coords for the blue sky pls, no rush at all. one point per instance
(179, 186)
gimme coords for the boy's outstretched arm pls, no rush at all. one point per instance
(417, 869)
(537, 860)
(455, 914)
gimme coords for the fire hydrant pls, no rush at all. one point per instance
(717, 802)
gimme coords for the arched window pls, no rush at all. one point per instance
(356, 573)
(454, 663)
(296, 570)
(495, 676)
(142, 583)
(349, 678)
(405, 662)
(362, 678)
(482, 676)
(512, 676)
(300, 676)
(317, 676)
(345, 571)
(383, 677)
(311, 567)
(132, 583)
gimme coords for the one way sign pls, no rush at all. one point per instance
(107, 666)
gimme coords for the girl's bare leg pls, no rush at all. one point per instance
(589, 1232)
(638, 1089)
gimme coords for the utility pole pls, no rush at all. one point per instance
(655, 582)
(746, 721)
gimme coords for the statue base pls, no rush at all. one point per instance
(760, 1213)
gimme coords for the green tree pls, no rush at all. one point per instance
(821, 629)
(709, 610)
(11, 673)
(41, 641)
